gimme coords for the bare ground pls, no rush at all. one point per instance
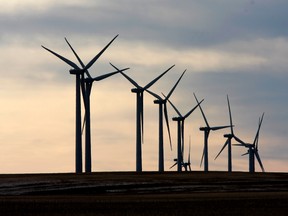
(147, 193)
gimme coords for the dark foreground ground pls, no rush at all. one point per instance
(148, 193)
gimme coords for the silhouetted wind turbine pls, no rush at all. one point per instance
(86, 91)
(207, 130)
(180, 134)
(79, 72)
(253, 149)
(139, 113)
(228, 141)
(163, 103)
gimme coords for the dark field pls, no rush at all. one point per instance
(147, 193)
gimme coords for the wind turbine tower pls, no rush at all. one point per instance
(253, 149)
(79, 73)
(86, 86)
(229, 137)
(139, 91)
(163, 103)
(180, 134)
(206, 130)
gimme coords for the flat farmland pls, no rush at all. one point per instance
(147, 193)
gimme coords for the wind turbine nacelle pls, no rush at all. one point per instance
(203, 128)
(157, 102)
(177, 118)
(175, 160)
(228, 135)
(75, 71)
(135, 90)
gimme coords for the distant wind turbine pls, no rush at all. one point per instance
(180, 134)
(139, 113)
(163, 103)
(79, 73)
(86, 91)
(228, 141)
(253, 149)
(207, 130)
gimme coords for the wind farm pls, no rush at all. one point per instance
(69, 130)
(186, 187)
(134, 192)
(84, 82)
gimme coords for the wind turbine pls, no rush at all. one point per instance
(163, 103)
(253, 149)
(228, 141)
(86, 91)
(79, 72)
(139, 113)
(207, 130)
(180, 134)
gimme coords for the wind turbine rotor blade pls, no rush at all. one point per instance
(154, 94)
(167, 124)
(225, 144)
(259, 160)
(193, 109)
(130, 80)
(104, 76)
(239, 144)
(157, 78)
(90, 85)
(245, 153)
(83, 90)
(230, 116)
(205, 119)
(239, 140)
(189, 154)
(172, 90)
(84, 122)
(78, 58)
(177, 111)
(219, 127)
(98, 55)
(202, 157)
(255, 143)
(173, 165)
(76, 55)
(72, 64)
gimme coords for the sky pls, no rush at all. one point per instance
(236, 48)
